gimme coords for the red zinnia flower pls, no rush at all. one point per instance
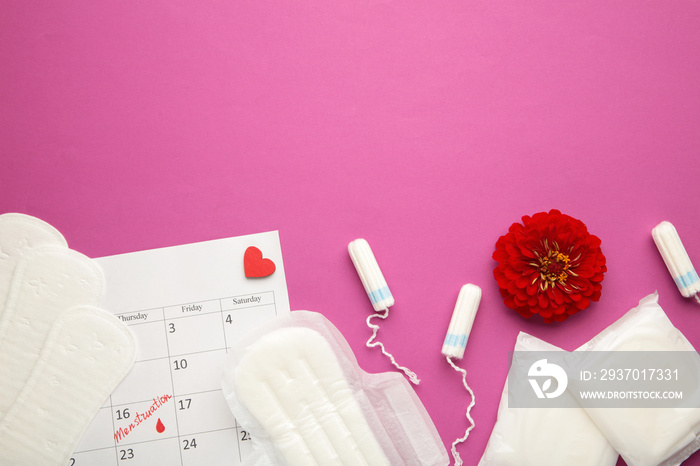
(549, 265)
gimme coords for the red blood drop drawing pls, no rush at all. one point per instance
(159, 426)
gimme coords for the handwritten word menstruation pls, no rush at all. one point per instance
(141, 417)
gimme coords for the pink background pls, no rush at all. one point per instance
(425, 127)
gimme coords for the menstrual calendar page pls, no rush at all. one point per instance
(186, 306)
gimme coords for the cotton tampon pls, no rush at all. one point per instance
(676, 259)
(456, 342)
(379, 295)
(370, 275)
(462, 321)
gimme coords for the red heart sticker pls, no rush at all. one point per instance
(254, 264)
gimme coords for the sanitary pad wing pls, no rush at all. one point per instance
(295, 385)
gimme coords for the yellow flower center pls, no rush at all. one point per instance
(554, 267)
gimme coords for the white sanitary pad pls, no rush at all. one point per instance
(20, 233)
(296, 386)
(647, 436)
(550, 436)
(60, 357)
(87, 353)
(48, 280)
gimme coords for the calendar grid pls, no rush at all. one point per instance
(179, 395)
(172, 384)
(223, 326)
(111, 410)
(188, 340)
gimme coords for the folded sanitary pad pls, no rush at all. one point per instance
(649, 436)
(536, 436)
(296, 386)
(646, 434)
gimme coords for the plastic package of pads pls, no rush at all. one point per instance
(295, 385)
(648, 436)
(537, 436)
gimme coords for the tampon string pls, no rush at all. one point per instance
(455, 344)
(379, 295)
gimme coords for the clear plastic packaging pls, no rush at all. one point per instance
(326, 409)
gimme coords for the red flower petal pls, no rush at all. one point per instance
(528, 284)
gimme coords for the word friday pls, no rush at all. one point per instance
(141, 417)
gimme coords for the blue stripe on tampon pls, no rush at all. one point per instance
(456, 340)
(687, 280)
(379, 295)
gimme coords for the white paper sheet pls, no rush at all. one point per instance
(186, 305)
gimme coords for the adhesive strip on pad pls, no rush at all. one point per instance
(292, 383)
(20, 233)
(48, 280)
(87, 353)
